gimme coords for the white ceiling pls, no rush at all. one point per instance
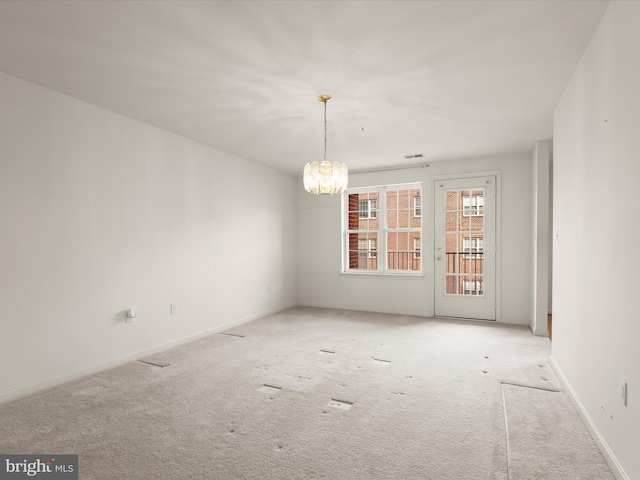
(447, 79)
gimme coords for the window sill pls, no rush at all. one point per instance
(385, 274)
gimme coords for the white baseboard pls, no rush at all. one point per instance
(68, 377)
(608, 455)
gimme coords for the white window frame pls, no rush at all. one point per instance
(477, 284)
(417, 206)
(475, 247)
(416, 247)
(473, 205)
(371, 210)
(379, 208)
(371, 250)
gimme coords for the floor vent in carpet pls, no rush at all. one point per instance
(155, 363)
(327, 352)
(269, 389)
(381, 360)
(232, 334)
(341, 404)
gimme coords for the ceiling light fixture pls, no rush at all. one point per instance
(325, 177)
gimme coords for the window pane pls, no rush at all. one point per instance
(451, 221)
(403, 199)
(451, 284)
(401, 208)
(363, 251)
(401, 254)
(363, 211)
(392, 218)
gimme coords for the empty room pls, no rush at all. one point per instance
(316, 239)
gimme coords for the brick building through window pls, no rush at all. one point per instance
(464, 242)
(384, 229)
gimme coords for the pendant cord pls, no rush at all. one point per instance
(325, 130)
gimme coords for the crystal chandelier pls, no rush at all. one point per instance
(325, 177)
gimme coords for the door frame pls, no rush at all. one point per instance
(432, 243)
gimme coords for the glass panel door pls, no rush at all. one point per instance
(465, 248)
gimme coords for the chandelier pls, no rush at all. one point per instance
(325, 177)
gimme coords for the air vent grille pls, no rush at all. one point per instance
(415, 155)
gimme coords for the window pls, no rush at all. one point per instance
(417, 206)
(473, 287)
(473, 247)
(367, 248)
(367, 208)
(381, 231)
(473, 205)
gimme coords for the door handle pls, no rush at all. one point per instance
(439, 258)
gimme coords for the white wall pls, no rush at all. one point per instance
(550, 240)
(596, 174)
(540, 176)
(100, 212)
(319, 237)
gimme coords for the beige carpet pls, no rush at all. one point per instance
(312, 393)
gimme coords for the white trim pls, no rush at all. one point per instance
(389, 185)
(68, 377)
(608, 455)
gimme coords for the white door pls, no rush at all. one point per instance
(465, 248)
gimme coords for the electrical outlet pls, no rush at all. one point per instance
(174, 308)
(130, 314)
(623, 392)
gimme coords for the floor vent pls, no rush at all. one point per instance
(340, 404)
(269, 389)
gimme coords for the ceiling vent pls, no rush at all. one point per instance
(417, 155)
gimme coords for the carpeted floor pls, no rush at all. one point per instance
(311, 393)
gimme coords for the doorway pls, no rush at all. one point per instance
(465, 248)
